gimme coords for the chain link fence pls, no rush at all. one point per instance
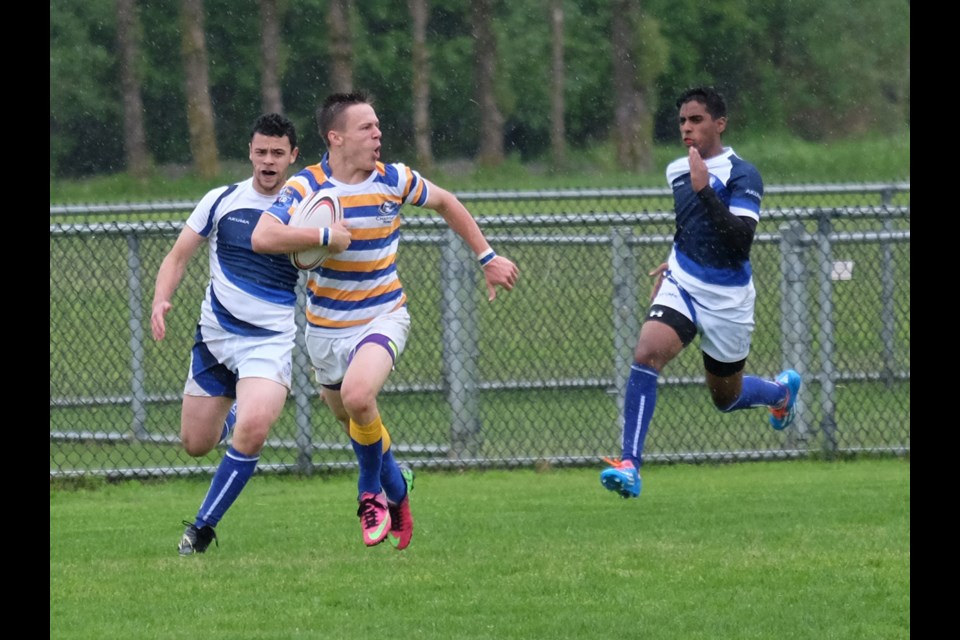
(535, 378)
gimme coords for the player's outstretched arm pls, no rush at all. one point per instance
(497, 271)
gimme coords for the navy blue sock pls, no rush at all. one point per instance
(229, 423)
(231, 477)
(638, 405)
(392, 480)
(757, 392)
(370, 459)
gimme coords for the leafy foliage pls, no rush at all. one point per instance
(821, 70)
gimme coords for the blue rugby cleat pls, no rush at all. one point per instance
(780, 418)
(621, 477)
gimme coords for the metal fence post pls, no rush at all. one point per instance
(138, 394)
(460, 350)
(626, 321)
(303, 385)
(96, 399)
(828, 422)
(887, 283)
(794, 316)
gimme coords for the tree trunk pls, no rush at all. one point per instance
(633, 120)
(419, 14)
(558, 141)
(270, 18)
(134, 134)
(203, 141)
(341, 46)
(485, 65)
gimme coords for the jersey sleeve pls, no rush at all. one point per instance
(201, 218)
(746, 192)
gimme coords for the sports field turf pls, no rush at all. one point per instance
(797, 549)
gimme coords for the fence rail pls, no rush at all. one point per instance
(537, 376)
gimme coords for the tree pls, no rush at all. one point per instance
(134, 134)
(419, 11)
(203, 141)
(341, 46)
(638, 58)
(558, 141)
(270, 17)
(85, 101)
(485, 69)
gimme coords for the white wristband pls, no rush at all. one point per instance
(485, 257)
(324, 236)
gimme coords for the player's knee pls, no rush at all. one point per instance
(195, 445)
(356, 400)
(723, 402)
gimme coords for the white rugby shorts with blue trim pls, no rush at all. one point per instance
(221, 358)
(723, 315)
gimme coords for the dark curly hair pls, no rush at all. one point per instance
(708, 97)
(275, 126)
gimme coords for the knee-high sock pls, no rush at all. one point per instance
(231, 477)
(757, 392)
(390, 477)
(229, 423)
(366, 441)
(638, 405)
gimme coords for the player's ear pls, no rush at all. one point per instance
(294, 154)
(721, 124)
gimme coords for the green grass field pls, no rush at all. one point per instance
(743, 551)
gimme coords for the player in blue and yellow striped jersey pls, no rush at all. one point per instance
(357, 319)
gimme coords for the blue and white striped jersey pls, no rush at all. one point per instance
(249, 294)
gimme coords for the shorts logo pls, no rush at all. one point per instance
(656, 313)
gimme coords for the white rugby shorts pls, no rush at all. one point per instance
(723, 315)
(220, 358)
(330, 350)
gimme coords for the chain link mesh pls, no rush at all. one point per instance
(536, 377)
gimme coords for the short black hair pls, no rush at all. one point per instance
(708, 97)
(275, 126)
(333, 107)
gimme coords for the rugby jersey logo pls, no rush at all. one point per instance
(388, 211)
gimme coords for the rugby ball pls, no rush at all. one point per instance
(319, 209)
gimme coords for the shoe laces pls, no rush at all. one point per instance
(781, 412)
(196, 531)
(368, 512)
(396, 515)
(617, 463)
